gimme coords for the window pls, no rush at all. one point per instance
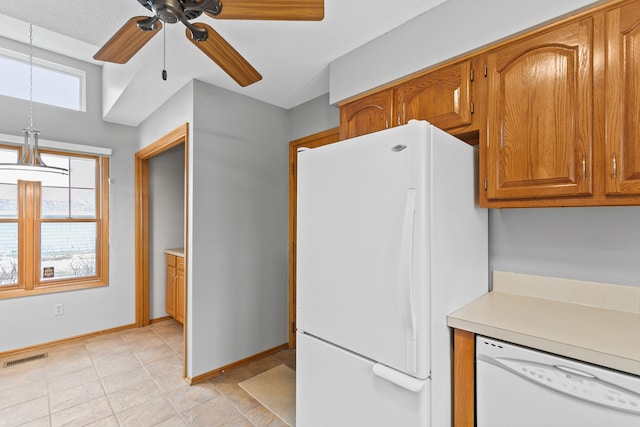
(54, 233)
(53, 84)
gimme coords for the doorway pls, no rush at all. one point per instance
(172, 139)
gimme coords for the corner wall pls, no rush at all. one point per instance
(238, 228)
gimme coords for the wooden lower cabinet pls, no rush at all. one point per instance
(464, 358)
(170, 290)
(175, 287)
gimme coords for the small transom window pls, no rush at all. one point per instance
(53, 84)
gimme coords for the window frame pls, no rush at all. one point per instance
(53, 67)
(29, 232)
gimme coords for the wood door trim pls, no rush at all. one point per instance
(316, 140)
(178, 136)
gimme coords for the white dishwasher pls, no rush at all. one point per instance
(517, 386)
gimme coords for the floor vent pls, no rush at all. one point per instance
(24, 360)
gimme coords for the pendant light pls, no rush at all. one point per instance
(30, 166)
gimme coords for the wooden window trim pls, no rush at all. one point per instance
(29, 282)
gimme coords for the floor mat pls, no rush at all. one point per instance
(276, 390)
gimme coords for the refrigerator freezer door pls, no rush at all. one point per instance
(337, 388)
(361, 255)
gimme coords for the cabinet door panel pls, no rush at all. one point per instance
(170, 290)
(540, 113)
(623, 101)
(366, 115)
(441, 97)
(180, 290)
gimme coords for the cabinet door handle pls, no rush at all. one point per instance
(584, 167)
(386, 122)
(615, 166)
(399, 119)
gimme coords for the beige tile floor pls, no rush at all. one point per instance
(129, 378)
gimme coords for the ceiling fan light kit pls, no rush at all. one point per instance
(136, 32)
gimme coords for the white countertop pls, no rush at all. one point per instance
(175, 251)
(605, 337)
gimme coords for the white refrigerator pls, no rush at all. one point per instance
(390, 239)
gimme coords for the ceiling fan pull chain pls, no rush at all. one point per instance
(164, 53)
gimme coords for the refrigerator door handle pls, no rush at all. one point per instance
(406, 280)
(398, 378)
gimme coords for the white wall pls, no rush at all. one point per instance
(166, 220)
(238, 228)
(448, 30)
(31, 319)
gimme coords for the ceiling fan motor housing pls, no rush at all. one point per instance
(168, 11)
(172, 11)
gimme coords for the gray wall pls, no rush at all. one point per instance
(237, 228)
(312, 117)
(594, 244)
(88, 310)
(166, 220)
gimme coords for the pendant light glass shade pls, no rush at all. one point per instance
(30, 166)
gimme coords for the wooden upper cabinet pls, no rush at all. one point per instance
(539, 130)
(442, 97)
(365, 115)
(622, 99)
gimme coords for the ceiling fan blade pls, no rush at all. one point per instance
(126, 42)
(282, 10)
(223, 54)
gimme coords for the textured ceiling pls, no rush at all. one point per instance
(293, 57)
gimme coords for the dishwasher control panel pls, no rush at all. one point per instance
(577, 383)
(517, 385)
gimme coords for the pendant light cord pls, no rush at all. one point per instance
(30, 76)
(164, 52)
(29, 166)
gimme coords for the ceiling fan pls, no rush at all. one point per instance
(137, 31)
